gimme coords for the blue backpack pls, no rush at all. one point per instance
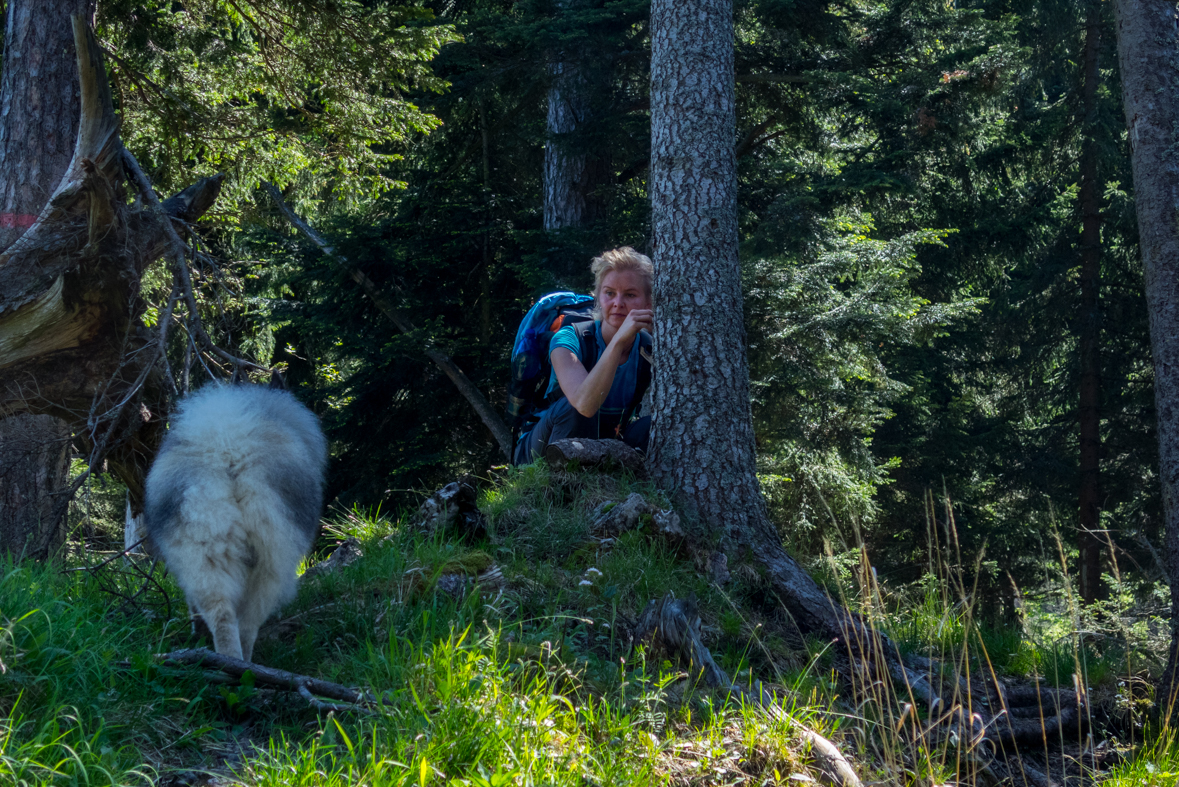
(530, 353)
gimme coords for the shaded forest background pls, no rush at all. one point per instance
(911, 212)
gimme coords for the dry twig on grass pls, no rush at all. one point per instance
(120, 583)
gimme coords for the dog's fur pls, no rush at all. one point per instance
(233, 504)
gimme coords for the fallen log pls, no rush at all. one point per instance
(1040, 716)
(595, 453)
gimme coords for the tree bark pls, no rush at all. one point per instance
(71, 341)
(1148, 56)
(572, 174)
(34, 466)
(1089, 412)
(702, 447)
(39, 109)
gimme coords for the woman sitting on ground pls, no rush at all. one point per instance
(600, 395)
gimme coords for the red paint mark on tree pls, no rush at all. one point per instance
(23, 220)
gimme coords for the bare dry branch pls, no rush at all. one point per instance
(443, 361)
(179, 253)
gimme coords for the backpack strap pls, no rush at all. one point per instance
(588, 341)
(641, 384)
(587, 338)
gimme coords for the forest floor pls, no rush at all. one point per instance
(502, 652)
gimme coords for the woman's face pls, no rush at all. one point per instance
(622, 291)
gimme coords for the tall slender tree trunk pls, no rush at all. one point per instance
(485, 293)
(573, 172)
(1090, 325)
(1148, 56)
(702, 447)
(39, 110)
(564, 166)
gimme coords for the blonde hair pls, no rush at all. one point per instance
(622, 259)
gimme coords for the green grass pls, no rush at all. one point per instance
(536, 685)
(1155, 764)
(533, 686)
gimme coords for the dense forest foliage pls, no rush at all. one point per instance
(911, 219)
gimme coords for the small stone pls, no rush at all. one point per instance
(718, 568)
(453, 585)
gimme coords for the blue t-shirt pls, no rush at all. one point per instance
(626, 378)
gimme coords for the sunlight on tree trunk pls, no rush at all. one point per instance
(1148, 53)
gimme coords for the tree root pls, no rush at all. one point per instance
(674, 625)
(988, 740)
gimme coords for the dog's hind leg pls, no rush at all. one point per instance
(213, 574)
(222, 619)
(251, 616)
(268, 587)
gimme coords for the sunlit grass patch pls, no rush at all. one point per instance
(57, 750)
(533, 680)
(1155, 764)
(65, 717)
(468, 713)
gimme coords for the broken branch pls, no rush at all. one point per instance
(179, 264)
(268, 676)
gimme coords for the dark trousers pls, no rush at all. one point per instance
(561, 421)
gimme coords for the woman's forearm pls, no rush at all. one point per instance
(587, 398)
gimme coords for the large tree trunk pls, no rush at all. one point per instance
(702, 447)
(1090, 324)
(1148, 55)
(39, 110)
(34, 466)
(71, 342)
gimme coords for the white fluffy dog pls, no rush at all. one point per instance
(233, 504)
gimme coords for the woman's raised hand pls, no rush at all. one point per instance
(636, 320)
